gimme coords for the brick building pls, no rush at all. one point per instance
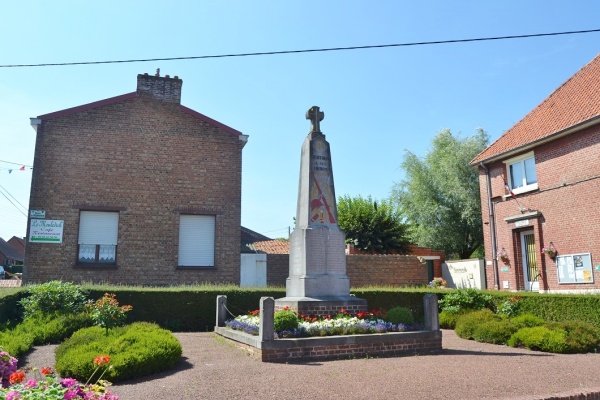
(135, 189)
(540, 190)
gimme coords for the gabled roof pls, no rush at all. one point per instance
(575, 104)
(133, 95)
(9, 252)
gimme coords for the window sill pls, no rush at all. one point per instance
(95, 266)
(204, 267)
(522, 190)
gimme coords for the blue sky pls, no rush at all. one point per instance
(378, 103)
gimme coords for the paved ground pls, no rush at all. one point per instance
(212, 368)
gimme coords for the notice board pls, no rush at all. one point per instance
(575, 268)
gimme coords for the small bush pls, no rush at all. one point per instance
(494, 331)
(527, 321)
(469, 322)
(285, 320)
(54, 297)
(448, 320)
(581, 337)
(509, 307)
(465, 299)
(135, 350)
(540, 338)
(400, 315)
(41, 329)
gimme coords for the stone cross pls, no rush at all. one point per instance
(315, 117)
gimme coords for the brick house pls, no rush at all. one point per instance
(540, 190)
(9, 255)
(135, 189)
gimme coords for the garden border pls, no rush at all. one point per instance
(267, 349)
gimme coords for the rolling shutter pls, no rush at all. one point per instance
(197, 241)
(98, 227)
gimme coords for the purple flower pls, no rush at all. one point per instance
(68, 382)
(70, 394)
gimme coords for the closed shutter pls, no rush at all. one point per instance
(98, 227)
(197, 240)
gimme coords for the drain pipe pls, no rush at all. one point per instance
(492, 226)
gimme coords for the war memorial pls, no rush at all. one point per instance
(317, 283)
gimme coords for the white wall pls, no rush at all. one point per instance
(464, 273)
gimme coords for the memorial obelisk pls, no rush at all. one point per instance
(317, 282)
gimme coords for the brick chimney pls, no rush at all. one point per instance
(161, 88)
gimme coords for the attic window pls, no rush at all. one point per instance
(521, 173)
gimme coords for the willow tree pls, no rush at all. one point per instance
(440, 195)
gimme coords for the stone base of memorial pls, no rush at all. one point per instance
(266, 348)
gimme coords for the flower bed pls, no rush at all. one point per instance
(341, 324)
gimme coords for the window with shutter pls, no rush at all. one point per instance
(98, 234)
(197, 241)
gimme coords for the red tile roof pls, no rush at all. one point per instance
(275, 246)
(575, 102)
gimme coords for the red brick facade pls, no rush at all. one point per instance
(151, 159)
(564, 210)
(559, 206)
(363, 270)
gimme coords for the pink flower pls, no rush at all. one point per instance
(12, 396)
(70, 394)
(31, 383)
(68, 382)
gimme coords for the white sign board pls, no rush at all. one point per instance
(46, 231)
(37, 213)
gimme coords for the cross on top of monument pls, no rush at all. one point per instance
(315, 116)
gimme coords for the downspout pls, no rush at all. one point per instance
(492, 225)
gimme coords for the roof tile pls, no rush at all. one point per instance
(574, 102)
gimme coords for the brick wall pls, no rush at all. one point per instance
(362, 270)
(278, 269)
(151, 158)
(568, 210)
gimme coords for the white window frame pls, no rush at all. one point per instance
(98, 236)
(521, 160)
(196, 240)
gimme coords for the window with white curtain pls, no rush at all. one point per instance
(98, 234)
(196, 241)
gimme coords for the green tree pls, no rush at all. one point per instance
(371, 225)
(440, 195)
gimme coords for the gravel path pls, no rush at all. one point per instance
(214, 368)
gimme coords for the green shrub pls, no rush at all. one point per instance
(494, 331)
(466, 299)
(107, 313)
(448, 320)
(41, 329)
(581, 337)
(54, 297)
(285, 320)
(135, 350)
(400, 315)
(509, 307)
(540, 338)
(527, 321)
(469, 322)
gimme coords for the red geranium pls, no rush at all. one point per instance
(102, 360)
(16, 377)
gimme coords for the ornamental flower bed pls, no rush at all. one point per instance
(47, 385)
(340, 324)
